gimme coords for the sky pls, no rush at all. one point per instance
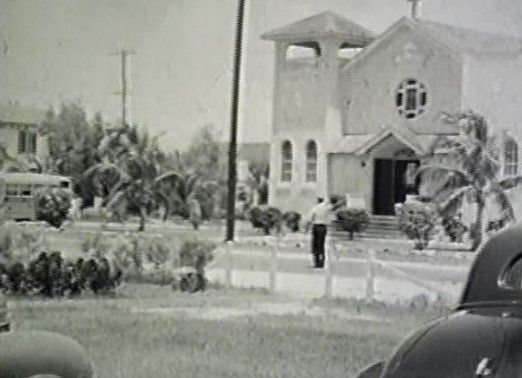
(54, 51)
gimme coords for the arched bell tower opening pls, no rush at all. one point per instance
(305, 96)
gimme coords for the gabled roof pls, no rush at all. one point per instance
(467, 40)
(405, 136)
(456, 39)
(362, 144)
(325, 24)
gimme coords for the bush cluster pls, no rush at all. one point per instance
(292, 220)
(352, 220)
(265, 218)
(270, 218)
(156, 260)
(193, 257)
(51, 276)
(52, 205)
(418, 220)
(19, 242)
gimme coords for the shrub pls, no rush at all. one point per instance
(196, 254)
(52, 205)
(417, 220)
(158, 252)
(352, 220)
(193, 257)
(127, 252)
(454, 228)
(20, 243)
(50, 275)
(292, 219)
(265, 218)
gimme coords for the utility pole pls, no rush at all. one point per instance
(125, 85)
(232, 150)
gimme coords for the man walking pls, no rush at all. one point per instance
(320, 217)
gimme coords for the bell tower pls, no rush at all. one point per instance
(309, 55)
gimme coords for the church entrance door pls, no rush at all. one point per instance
(391, 184)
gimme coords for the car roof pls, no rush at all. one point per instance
(484, 285)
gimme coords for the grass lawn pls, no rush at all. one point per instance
(151, 331)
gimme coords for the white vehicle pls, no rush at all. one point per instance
(17, 192)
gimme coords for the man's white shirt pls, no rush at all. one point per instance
(321, 214)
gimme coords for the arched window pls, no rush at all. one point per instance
(510, 157)
(311, 161)
(286, 161)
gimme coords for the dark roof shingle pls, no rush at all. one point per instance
(325, 24)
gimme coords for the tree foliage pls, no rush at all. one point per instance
(127, 168)
(132, 172)
(73, 143)
(472, 171)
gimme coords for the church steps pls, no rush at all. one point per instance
(380, 227)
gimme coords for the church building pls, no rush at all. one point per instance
(353, 111)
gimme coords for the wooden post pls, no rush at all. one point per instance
(228, 264)
(331, 257)
(370, 276)
(274, 251)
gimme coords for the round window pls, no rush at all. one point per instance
(411, 98)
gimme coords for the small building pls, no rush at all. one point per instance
(354, 111)
(20, 134)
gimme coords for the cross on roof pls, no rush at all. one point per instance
(415, 8)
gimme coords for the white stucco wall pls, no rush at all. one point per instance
(304, 91)
(9, 139)
(371, 81)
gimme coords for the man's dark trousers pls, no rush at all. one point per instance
(318, 238)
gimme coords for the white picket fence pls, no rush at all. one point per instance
(366, 289)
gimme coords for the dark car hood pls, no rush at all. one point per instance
(456, 345)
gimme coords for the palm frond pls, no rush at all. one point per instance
(510, 182)
(103, 168)
(455, 199)
(502, 200)
(444, 169)
(115, 199)
(170, 176)
(190, 184)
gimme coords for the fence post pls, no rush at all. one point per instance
(228, 264)
(274, 251)
(329, 271)
(370, 276)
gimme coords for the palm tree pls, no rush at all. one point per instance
(132, 173)
(472, 171)
(180, 193)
